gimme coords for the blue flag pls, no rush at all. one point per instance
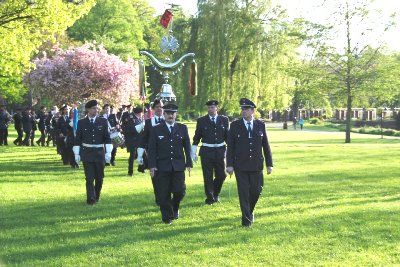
(75, 120)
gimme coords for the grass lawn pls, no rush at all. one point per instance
(326, 203)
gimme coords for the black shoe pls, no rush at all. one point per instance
(113, 163)
(176, 215)
(247, 225)
(130, 174)
(216, 199)
(91, 201)
(209, 201)
(38, 142)
(16, 143)
(107, 164)
(167, 221)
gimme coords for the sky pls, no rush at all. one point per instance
(310, 10)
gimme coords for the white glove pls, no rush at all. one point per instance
(139, 127)
(76, 150)
(108, 157)
(71, 123)
(193, 153)
(140, 152)
(109, 148)
(269, 170)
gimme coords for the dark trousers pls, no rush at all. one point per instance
(94, 173)
(154, 182)
(20, 133)
(113, 153)
(212, 187)
(63, 150)
(3, 136)
(27, 138)
(170, 183)
(132, 157)
(250, 185)
(32, 137)
(42, 137)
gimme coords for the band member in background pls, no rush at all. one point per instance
(132, 132)
(34, 122)
(169, 155)
(93, 146)
(212, 130)
(41, 116)
(27, 125)
(247, 148)
(17, 117)
(121, 110)
(5, 119)
(157, 108)
(65, 132)
(111, 117)
(125, 117)
(51, 126)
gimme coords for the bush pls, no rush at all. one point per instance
(315, 120)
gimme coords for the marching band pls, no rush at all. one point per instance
(157, 142)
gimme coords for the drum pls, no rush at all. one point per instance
(116, 137)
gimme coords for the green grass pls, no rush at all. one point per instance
(326, 203)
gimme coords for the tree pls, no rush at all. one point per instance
(354, 68)
(24, 26)
(120, 26)
(84, 71)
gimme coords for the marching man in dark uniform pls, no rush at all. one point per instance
(27, 120)
(247, 147)
(17, 117)
(212, 130)
(169, 155)
(65, 133)
(42, 125)
(93, 146)
(157, 107)
(133, 128)
(113, 121)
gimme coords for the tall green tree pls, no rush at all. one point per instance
(354, 69)
(24, 26)
(119, 25)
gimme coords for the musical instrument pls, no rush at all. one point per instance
(116, 137)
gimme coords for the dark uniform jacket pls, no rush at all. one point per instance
(244, 153)
(112, 119)
(92, 133)
(132, 137)
(27, 120)
(211, 133)
(63, 125)
(4, 119)
(169, 151)
(17, 121)
(42, 120)
(145, 134)
(124, 120)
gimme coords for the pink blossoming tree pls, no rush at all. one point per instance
(88, 70)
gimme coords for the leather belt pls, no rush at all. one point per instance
(93, 145)
(213, 145)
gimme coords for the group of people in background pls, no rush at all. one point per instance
(158, 143)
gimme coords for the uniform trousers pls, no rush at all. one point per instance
(94, 173)
(212, 187)
(250, 185)
(170, 182)
(3, 136)
(20, 133)
(132, 157)
(27, 138)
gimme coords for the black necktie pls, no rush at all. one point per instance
(249, 129)
(170, 129)
(91, 121)
(213, 119)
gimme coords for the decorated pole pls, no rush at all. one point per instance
(170, 44)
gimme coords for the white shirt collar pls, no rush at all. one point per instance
(251, 123)
(216, 115)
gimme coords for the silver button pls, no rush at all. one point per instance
(250, 156)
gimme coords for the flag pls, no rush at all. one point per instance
(166, 18)
(75, 120)
(142, 81)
